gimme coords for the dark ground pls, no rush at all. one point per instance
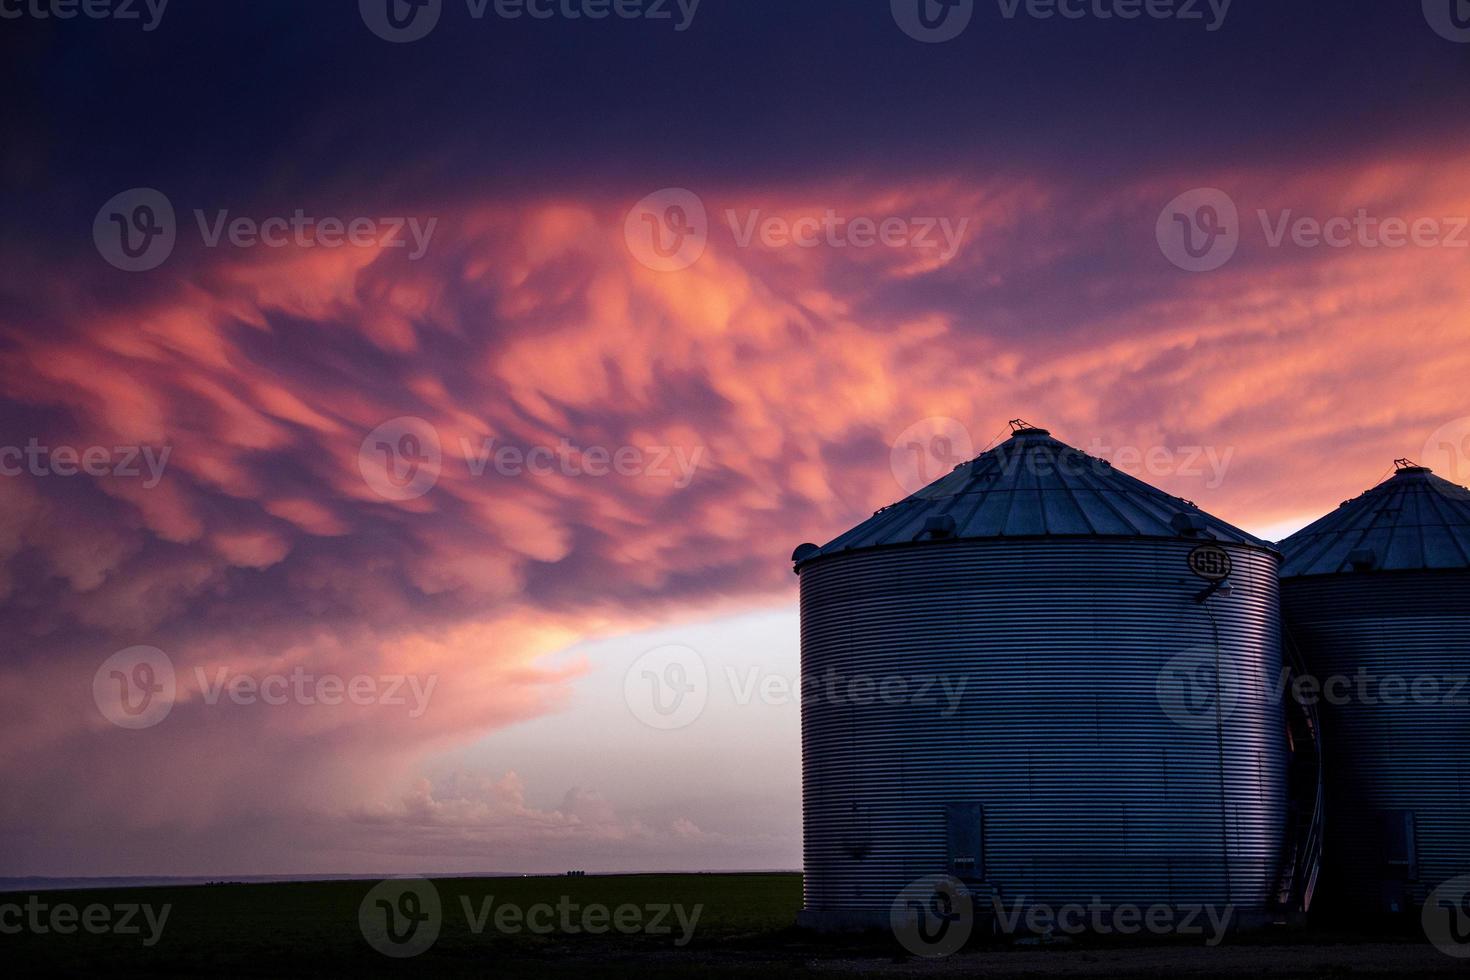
(311, 929)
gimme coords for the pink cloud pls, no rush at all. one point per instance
(788, 371)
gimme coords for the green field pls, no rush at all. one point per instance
(312, 928)
(744, 929)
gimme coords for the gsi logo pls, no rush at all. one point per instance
(400, 917)
(1210, 562)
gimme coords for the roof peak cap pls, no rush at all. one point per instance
(1020, 428)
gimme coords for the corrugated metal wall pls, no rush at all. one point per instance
(1386, 761)
(1088, 788)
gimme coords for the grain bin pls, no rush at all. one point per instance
(986, 675)
(1377, 596)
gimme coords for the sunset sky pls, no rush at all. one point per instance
(898, 240)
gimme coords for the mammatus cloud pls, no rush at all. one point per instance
(755, 396)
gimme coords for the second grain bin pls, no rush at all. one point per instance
(1050, 680)
(1377, 596)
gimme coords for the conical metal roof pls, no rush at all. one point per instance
(1032, 485)
(1410, 522)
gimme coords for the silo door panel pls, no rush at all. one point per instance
(965, 824)
(1397, 835)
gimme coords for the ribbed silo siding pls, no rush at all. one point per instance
(1089, 789)
(1380, 757)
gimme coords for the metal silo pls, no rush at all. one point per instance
(1377, 596)
(1056, 594)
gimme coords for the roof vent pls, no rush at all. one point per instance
(1409, 466)
(1363, 559)
(803, 552)
(937, 528)
(1188, 525)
